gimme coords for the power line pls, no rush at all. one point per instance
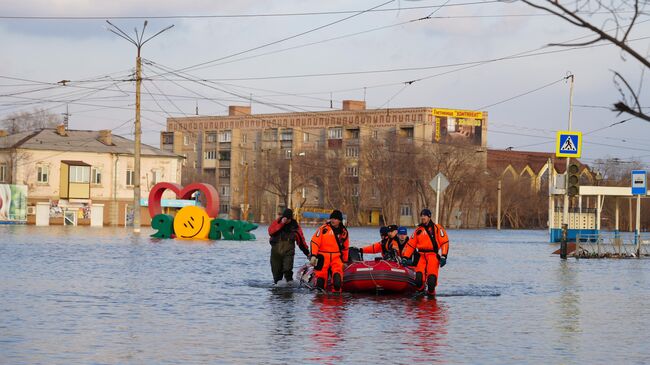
(285, 38)
(217, 16)
(519, 55)
(522, 94)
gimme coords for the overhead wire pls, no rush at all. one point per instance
(259, 15)
(311, 30)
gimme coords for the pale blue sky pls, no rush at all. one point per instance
(53, 50)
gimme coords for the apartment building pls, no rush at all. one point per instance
(228, 150)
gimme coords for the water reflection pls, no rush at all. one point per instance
(283, 311)
(429, 337)
(328, 326)
(568, 309)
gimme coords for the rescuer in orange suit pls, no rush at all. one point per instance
(431, 241)
(388, 246)
(329, 250)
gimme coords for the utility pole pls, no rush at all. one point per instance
(565, 216)
(499, 205)
(66, 117)
(138, 42)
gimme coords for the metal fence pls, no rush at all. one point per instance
(612, 245)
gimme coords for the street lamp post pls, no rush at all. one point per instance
(138, 42)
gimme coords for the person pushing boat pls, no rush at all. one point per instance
(431, 241)
(329, 250)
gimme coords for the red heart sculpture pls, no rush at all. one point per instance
(210, 193)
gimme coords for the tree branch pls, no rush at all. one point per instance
(621, 107)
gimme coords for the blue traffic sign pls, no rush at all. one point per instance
(639, 182)
(569, 144)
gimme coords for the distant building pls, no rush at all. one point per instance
(531, 168)
(72, 169)
(224, 147)
(524, 178)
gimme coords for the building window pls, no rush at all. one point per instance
(225, 136)
(335, 133)
(304, 193)
(224, 173)
(352, 151)
(42, 174)
(305, 137)
(405, 210)
(355, 190)
(129, 177)
(196, 165)
(97, 176)
(352, 171)
(244, 137)
(408, 132)
(286, 135)
(211, 155)
(211, 137)
(155, 177)
(3, 172)
(186, 140)
(375, 134)
(354, 134)
(224, 156)
(79, 174)
(270, 135)
(168, 138)
(224, 190)
(224, 208)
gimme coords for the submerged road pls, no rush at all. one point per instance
(83, 295)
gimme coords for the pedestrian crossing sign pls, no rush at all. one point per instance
(569, 144)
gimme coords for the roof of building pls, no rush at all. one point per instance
(498, 160)
(74, 163)
(77, 141)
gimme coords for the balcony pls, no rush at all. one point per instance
(334, 143)
(168, 138)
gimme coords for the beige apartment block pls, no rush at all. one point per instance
(227, 149)
(74, 169)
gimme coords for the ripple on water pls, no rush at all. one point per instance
(82, 295)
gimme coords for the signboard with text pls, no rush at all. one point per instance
(639, 182)
(453, 126)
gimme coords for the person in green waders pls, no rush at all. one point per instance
(285, 233)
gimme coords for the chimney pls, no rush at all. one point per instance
(3, 133)
(60, 130)
(238, 110)
(354, 105)
(105, 137)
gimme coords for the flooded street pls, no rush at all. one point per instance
(83, 295)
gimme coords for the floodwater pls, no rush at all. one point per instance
(86, 295)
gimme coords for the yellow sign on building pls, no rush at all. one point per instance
(455, 113)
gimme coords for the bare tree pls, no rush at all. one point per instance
(624, 15)
(29, 121)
